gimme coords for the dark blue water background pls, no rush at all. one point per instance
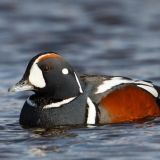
(115, 37)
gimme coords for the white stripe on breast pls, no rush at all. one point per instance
(115, 81)
(91, 119)
(59, 104)
(52, 105)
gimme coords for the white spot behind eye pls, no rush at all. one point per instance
(65, 71)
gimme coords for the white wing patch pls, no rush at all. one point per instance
(108, 84)
(150, 89)
(115, 81)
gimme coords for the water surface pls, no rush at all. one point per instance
(104, 37)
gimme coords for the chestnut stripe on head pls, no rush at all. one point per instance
(47, 56)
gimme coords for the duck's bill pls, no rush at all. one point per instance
(22, 85)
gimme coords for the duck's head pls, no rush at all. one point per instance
(49, 74)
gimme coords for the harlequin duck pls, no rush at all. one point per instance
(63, 97)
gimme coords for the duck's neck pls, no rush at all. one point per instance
(63, 91)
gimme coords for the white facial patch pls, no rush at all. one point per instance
(36, 77)
(65, 71)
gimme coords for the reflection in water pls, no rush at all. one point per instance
(106, 36)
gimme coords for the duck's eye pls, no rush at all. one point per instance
(46, 68)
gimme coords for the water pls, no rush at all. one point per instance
(104, 37)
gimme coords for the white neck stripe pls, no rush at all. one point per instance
(80, 88)
(31, 103)
(91, 119)
(59, 104)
